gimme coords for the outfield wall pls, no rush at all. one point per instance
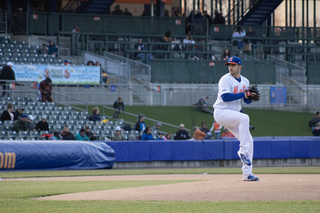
(268, 151)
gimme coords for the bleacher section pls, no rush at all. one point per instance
(57, 118)
(22, 53)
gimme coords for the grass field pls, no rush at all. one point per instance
(266, 122)
(16, 196)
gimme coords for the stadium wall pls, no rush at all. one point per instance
(268, 151)
(67, 155)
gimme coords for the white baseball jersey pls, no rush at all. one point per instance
(228, 84)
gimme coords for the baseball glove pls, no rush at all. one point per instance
(253, 93)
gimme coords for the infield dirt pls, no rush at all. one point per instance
(205, 188)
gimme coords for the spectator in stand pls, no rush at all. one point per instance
(6, 73)
(237, 36)
(217, 18)
(126, 12)
(227, 134)
(166, 13)
(95, 114)
(103, 75)
(198, 134)
(217, 129)
(90, 63)
(66, 62)
(142, 55)
(226, 54)
(168, 37)
(118, 136)
(189, 21)
(167, 137)
(208, 17)
(46, 90)
(251, 34)
(158, 126)
(117, 10)
(202, 105)
(204, 127)
(42, 125)
(81, 135)
(21, 124)
(44, 50)
(56, 136)
(182, 134)
(8, 114)
(18, 113)
(67, 135)
(140, 125)
(160, 136)
(222, 20)
(52, 48)
(316, 130)
(176, 13)
(118, 106)
(147, 134)
(189, 42)
(30, 123)
(90, 134)
(315, 119)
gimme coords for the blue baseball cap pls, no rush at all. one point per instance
(234, 60)
(24, 116)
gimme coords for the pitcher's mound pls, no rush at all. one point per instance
(207, 188)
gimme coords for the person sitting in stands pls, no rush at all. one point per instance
(18, 113)
(204, 127)
(81, 135)
(227, 134)
(67, 135)
(142, 55)
(42, 125)
(90, 134)
(95, 114)
(52, 48)
(30, 123)
(56, 136)
(182, 134)
(198, 134)
(161, 136)
(118, 136)
(21, 124)
(8, 115)
(140, 125)
(226, 54)
(315, 119)
(147, 134)
(316, 130)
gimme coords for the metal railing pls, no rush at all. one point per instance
(287, 69)
(297, 97)
(146, 118)
(138, 70)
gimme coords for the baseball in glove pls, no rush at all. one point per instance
(253, 93)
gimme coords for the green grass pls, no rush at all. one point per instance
(74, 173)
(16, 196)
(266, 122)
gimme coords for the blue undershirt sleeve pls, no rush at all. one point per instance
(247, 101)
(226, 97)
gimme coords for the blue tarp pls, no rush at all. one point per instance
(55, 155)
